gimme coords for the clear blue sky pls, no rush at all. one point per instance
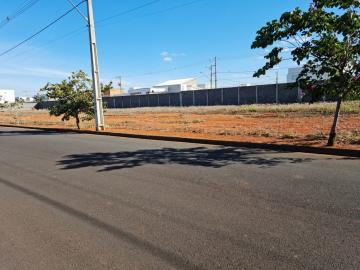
(168, 39)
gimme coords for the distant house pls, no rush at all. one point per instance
(113, 92)
(175, 86)
(25, 99)
(172, 86)
(7, 96)
(139, 91)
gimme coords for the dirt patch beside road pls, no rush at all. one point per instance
(265, 124)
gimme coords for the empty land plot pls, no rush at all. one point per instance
(300, 124)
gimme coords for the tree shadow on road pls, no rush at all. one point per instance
(196, 156)
(27, 132)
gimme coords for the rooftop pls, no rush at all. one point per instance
(175, 82)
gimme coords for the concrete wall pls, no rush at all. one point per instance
(261, 94)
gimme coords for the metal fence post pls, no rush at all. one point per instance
(238, 96)
(158, 98)
(193, 98)
(180, 98)
(256, 95)
(122, 102)
(299, 93)
(222, 96)
(277, 93)
(114, 102)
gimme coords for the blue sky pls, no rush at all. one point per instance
(168, 39)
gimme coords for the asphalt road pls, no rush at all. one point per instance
(71, 201)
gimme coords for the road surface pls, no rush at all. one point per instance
(71, 201)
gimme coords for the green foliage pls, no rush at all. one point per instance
(325, 39)
(74, 97)
(39, 97)
(18, 104)
(106, 87)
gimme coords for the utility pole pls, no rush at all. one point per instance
(215, 66)
(211, 76)
(120, 83)
(99, 113)
(277, 87)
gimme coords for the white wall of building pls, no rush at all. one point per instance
(175, 86)
(158, 90)
(25, 99)
(139, 91)
(7, 96)
(172, 86)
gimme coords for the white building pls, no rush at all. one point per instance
(175, 86)
(293, 74)
(171, 86)
(7, 96)
(139, 90)
(26, 99)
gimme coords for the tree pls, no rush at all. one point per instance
(73, 98)
(325, 39)
(39, 97)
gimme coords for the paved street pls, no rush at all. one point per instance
(71, 201)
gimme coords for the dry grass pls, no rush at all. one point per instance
(350, 107)
(292, 124)
(352, 137)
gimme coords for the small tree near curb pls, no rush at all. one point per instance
(73, 98)
(326, 40)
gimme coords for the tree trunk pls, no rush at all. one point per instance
(332, 135)
(77, 122)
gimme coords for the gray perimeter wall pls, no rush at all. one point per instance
(261, 94)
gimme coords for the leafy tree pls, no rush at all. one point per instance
(74, 97)
(325, 39)
(39, 97)
(106, 87)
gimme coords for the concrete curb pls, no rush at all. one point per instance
(276, 147)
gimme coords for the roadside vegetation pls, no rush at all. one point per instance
(12, 106)
(301, 124)
(323, 108)
(324, 39)
(74, 98)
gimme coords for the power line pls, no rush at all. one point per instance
(45, 45)
(166, 70)
(104, 20)
(41, 30)
(128, 11)
(155, 12)
(20, 10)
(76, 31)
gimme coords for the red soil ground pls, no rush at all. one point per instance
(284, 128)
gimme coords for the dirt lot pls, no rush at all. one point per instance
(289, 124)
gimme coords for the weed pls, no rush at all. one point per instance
(290, 135)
